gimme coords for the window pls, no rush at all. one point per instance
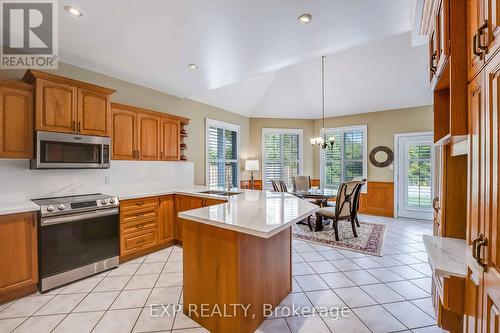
(222, 153)
(419, 176)
(281, 155)
(347, 159)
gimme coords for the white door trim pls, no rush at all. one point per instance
(396, 164)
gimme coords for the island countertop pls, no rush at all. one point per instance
(257, 213)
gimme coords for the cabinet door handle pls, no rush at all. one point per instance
(433, 58)
(79, 127)
(480, 35)
(73, 124)
(140, 203)
(161, 155)
(479, 260)
(474, 46)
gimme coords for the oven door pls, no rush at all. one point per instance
(67, 242)
(71, 151)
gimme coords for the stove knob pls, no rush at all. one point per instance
(61, 207)
(112, 201)
(50, 208)
(103, 202)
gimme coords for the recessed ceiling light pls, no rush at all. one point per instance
(305, 18)
(73, 11)
(193, 66)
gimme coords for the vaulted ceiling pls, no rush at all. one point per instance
(254, 57)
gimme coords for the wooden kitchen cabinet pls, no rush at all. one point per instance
(70, 106)
(166, 219)
(170, 140)
(55, 108)
(16, 119)
(18, 255)
(141, 134)
(186, 202)
(148, 135)
(124, 134)
(138, 226)
(93, 113)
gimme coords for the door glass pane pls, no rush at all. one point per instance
(419, 179)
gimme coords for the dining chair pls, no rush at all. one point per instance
(357, 198)
(276, 185)
(343, 210)
(301, 183)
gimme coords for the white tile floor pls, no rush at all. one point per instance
(383, 294)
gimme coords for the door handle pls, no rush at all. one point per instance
(79, 127)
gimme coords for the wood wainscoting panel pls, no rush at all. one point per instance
(378, 200)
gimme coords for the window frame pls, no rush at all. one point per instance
(225, 126)
(298, 131)
(364, 129)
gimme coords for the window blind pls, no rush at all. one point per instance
(222, 156)
(347, 159)
(281, 155)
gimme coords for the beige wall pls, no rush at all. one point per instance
(381, 129)
(256, 126)
(132, 94)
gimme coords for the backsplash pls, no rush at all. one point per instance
(18, 182)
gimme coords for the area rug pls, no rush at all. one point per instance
(369, 241)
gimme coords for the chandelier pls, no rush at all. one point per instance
(320, 141)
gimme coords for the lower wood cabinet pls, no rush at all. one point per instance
(148, 224)
(138, 225)
(18, 255)
(187, 202)
(166, 220)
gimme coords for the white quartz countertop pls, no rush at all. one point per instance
(17, 206)
(446, 256)
(257, 213)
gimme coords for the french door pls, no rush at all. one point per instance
(415, 166)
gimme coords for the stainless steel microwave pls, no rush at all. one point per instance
(71, 151)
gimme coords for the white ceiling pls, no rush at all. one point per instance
(254, 57)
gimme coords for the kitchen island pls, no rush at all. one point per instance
(237, 258)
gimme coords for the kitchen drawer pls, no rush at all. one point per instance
(451, 292)
(138, 241)
(134, 204)
(138, 225)
(138, 215)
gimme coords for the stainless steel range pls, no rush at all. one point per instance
(77, 236)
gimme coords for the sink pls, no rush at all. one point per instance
(226, 193)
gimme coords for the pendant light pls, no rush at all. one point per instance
(320, 141)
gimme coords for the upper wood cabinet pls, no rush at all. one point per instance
(148, 127)
(445, 22)
(93, 113)
(142, 134)
(16, 119)
(124, 133)
(70, 106)
(170, 139)
(18, 254)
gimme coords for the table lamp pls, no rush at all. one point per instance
(252, 165)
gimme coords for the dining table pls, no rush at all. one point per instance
(321, 197)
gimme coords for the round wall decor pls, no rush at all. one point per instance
(388, 159)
